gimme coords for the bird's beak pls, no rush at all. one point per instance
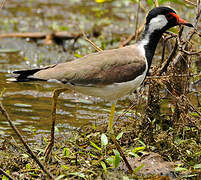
(182, 21)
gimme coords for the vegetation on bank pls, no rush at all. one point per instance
(173, 134)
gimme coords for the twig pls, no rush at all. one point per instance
(189, 2)
(55, 96)
(166, 64)
(92, 43)
(130, 170)
(6, 115)
(2, 4)
(184, 100)
(131, 37)
(164, 46)
(5, 174)
(190, 53)
(179, 75)
(42, 35)
(124, 113)
(181, 56)
(155, 3)
(137, 18)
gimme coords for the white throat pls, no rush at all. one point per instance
(157, 22)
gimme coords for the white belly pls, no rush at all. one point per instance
(112, 92)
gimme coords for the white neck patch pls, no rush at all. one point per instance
(158, 22)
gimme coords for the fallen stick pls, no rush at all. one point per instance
(42, 35)
(31, 153)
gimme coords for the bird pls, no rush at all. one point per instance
(110, 74)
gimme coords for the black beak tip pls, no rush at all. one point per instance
(189, 25)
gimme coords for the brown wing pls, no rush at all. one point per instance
(106, 67)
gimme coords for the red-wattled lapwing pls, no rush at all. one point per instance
(111, 74)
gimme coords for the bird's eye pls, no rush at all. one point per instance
(169, 16)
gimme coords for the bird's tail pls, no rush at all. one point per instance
(25, 75)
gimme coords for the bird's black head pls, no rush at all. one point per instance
(164, 18)
(158, 21)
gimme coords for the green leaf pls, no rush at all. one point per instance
(66, 152)
(77, 55)
(103, 166)
(102, 1)
(95, 146)
(56, 129)
(138, 168)
(104, 140)
(141, 142)
(178, 169)
(195, 114)
(92, 155)
(138, 149)
(116, 159)
(150, 2)
(197, 166)
(28, 166)
(110, 160)
(119, 136)
(45, 139)
(2, 92)
(65, 167)
(4, 177)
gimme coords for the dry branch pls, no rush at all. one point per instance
(131, 37)
(181, 54)
(62, 35)
(190, 2)
(2, 4)
(31, 153)
(156, 3)
(92, 43)
(130, 170)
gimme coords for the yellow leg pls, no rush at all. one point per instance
(110, 124)
(55, 96)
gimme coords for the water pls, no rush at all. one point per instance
(29, 104)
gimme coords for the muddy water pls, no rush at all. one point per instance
(29, 104)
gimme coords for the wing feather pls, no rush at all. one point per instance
(105, 67)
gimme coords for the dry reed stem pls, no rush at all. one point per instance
(155, 3)
(31, 153)
(92, 43)
(130, 170)
(2, 4)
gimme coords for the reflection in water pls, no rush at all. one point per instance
(31, 109)
(29, 104)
